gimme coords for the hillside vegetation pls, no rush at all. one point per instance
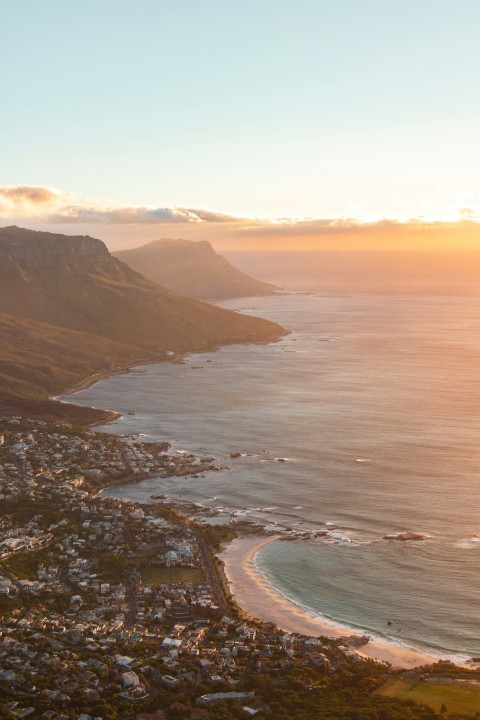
(69, 310)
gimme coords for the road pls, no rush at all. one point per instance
(209, 569)
(131, 585)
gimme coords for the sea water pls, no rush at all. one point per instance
(364, 422)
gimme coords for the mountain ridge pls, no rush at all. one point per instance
(70, 310)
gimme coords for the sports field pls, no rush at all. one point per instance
(170, 575)
(456, 698)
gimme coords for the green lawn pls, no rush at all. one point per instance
(24, 564)
(154, 552)
(456, 698)
(169, 575)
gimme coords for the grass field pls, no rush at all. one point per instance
(166, 575)
(456, 698)
(24, 564)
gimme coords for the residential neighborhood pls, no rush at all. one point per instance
(113, 604)
(120, 610)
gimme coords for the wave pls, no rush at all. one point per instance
(435, 651)
(469, 543)
(338, 538)
(288, 523)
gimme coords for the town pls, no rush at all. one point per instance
(117, 609)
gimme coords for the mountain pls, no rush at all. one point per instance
(69, 310)
(193, 269)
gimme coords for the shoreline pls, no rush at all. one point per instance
(122, 369)
(257, 599)
(87, 383)
(254, 596)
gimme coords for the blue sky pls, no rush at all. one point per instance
(266, 108)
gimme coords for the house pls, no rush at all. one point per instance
(171, 558)
(169, 681)
(217, 697)
(130, 679)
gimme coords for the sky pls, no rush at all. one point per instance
(120, 116)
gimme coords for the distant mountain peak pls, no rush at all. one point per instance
(69, 310)
(192, 267)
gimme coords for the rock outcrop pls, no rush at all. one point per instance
(42, 249)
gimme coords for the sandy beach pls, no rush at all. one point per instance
(258, 600)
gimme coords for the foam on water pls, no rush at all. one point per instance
(469, 543)
(349, 628)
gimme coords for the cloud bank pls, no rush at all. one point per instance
(54, 206)
(125, 226)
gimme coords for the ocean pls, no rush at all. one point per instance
(362, 423)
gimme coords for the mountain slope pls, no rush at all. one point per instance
(70, 310)
(193, 269)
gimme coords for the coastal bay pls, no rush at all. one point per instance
(260, 599)
(339, 427)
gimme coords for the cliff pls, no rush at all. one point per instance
(34, 250)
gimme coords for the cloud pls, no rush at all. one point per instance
(48, 206)
(139, 215)
(469, 213)
(210, 216)
(29, 200)
(54, 206)
(121, 215)
(27, 193)
(317, 226)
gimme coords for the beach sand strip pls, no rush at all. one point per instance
(259, 600)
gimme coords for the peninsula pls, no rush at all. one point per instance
(193, 269)
(70, 311)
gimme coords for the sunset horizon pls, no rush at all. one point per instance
(45, 208)
(256, 116)
(239, 360)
